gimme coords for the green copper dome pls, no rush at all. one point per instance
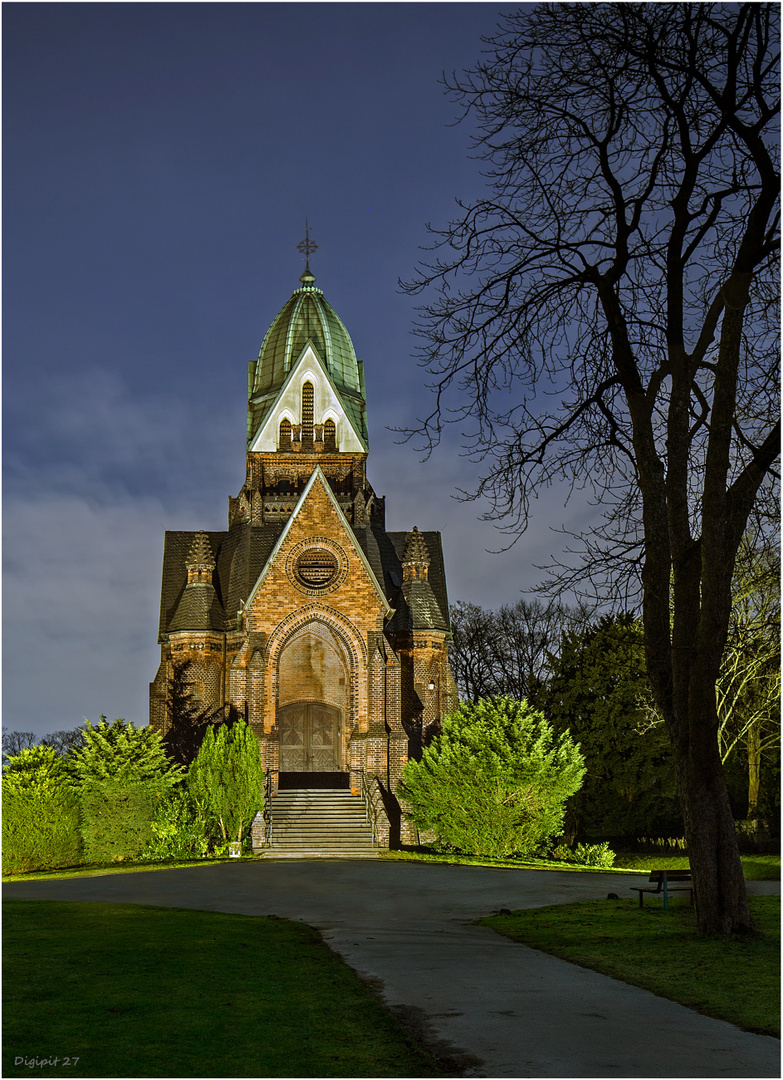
(307, 317)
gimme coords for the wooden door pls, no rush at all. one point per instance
(309, 738)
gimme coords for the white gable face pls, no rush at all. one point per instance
(326, 406)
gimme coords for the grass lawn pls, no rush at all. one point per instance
(755, 867)
(148, 991)
(102, 869)
(661, 951)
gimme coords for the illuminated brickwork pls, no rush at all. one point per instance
(306, 607)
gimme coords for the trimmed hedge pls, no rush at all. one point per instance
(116, 820)
(40, 829)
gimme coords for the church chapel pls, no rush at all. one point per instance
(326, 632)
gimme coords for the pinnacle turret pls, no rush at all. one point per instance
(416, 560)
(200, 562)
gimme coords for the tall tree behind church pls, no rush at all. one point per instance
(606, 318)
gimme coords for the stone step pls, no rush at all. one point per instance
(319, 823)
(320, 842)
(321, 829)
(325, 821)
(319, 853)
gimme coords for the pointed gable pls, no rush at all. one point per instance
(318, 554)
(344, 409)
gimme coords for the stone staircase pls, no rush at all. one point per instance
(309, 823)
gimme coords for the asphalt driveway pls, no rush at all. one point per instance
(503, 1009)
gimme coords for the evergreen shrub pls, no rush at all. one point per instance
(600, 855)
(597, 689)
(226, 779)
(496, 781)
(40, 813)
(122, 753)
(40, 829)
(116, 819)
(178, 829)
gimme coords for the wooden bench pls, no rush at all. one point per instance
(663, 885)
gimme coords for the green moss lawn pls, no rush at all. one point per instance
(148, 991)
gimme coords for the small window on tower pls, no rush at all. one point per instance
(307, 414)
(329, 436)
(285, 434)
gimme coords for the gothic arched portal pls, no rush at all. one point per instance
(312, 705)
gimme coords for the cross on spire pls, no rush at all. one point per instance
(307, 247)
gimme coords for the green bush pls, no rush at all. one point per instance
(178, 829)
(600, 855)
(116, 819)
(496, 781)
(122, 773)
(120, 753)
(35, 767)
(40, 829)
(40, 813)
(598, 690)
(226, 780)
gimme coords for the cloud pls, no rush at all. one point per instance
(425, 494)
(80, 610)
(85, 507)
(91, 488)
(87, 434)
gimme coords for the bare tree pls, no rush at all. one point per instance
(606, 318)
(65, 741)
(16, 741)
(530, 632)
(504, 652)
(474, 651)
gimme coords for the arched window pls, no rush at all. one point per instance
(285, 434)
(329, 435)
(307, 414)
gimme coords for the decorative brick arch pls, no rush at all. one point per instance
(348, 637)
(298, 619)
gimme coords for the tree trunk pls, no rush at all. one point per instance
(718, 880)
(754, 769)
(719, 884)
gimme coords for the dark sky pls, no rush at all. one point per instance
(159, 163)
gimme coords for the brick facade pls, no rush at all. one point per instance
(306, 611)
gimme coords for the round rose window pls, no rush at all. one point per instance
(316, 568)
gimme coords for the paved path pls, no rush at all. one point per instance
(509, 1011)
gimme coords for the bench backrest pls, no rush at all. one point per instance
(671, 875)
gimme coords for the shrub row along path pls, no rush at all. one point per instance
(503, 1009)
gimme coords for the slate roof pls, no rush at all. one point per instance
(419, 604)
(198, 609)
(240, 556)
(422, 604)
(423, 610)
(242, 552)
(436, 575)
